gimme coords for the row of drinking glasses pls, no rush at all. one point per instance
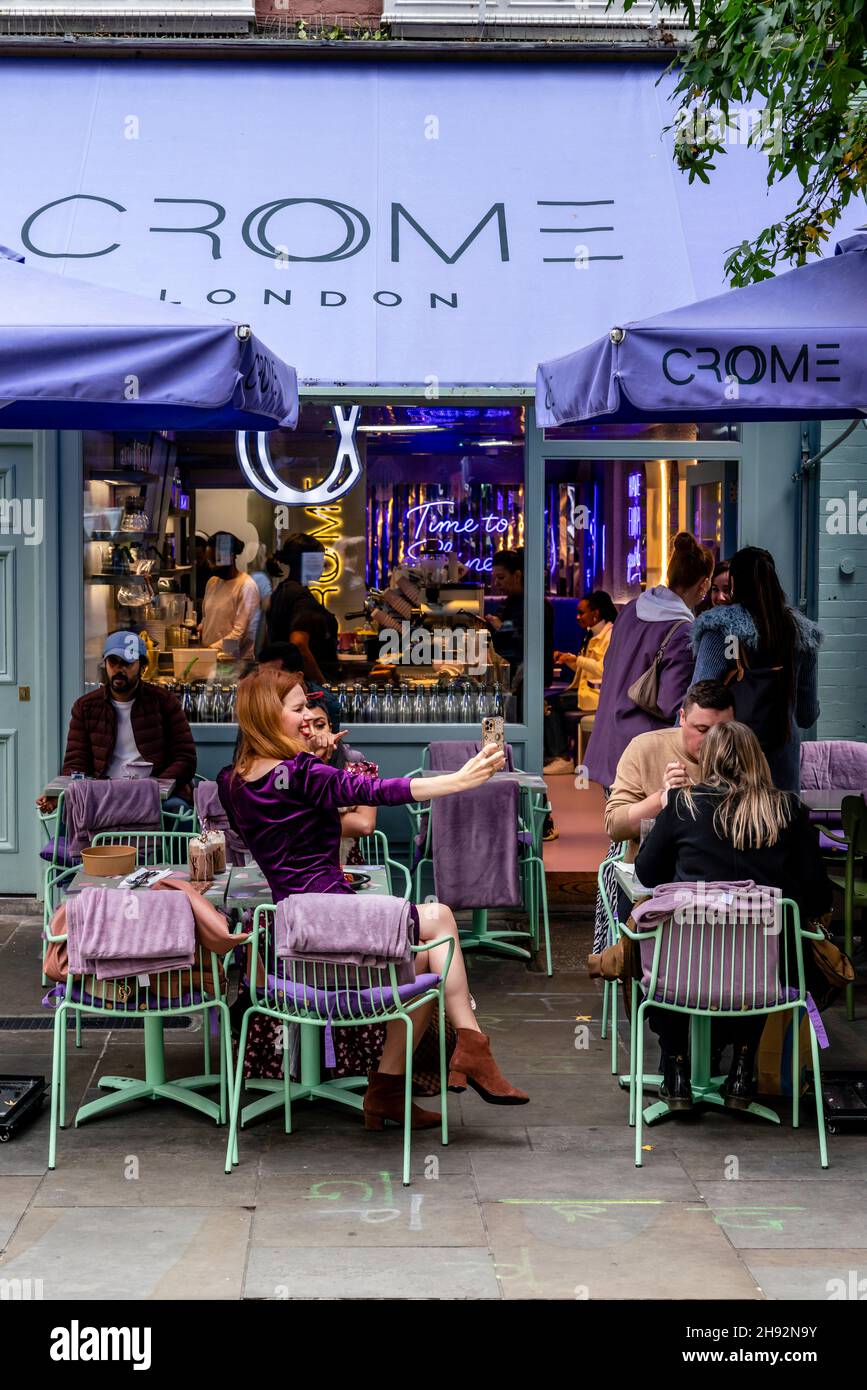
(419, 705)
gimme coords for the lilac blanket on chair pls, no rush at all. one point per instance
(112, 932)
(99, 804)
(212, 816)
(342, 929)
(732, 968)
(474, 837)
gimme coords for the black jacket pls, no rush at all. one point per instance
(680, 849)
(294, 608)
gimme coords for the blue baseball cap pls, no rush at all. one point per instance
(128, 646)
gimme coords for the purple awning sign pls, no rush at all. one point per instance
(80, 356)
(793, 347)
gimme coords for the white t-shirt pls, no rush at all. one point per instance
(126, 760)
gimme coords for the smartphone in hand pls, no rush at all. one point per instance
(493, 731)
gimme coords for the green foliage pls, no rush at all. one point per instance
(805, 63)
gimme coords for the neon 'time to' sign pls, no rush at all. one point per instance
(426, 523)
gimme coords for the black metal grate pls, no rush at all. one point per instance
(42, 1023)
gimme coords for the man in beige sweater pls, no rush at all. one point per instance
(655, 763)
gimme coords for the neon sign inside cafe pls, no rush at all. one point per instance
(426, 524)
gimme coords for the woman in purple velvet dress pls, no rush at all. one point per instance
(283, 800)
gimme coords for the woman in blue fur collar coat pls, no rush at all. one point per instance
(769, 653)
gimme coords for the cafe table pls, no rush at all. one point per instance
(247, 888)
(706, 1089)
(154, 1086)
(827, 802)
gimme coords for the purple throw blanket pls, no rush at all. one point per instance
(720, 947)
(212, 816)
(112, 932)
(835, 765)
(341, 929)
(474, 837)
(99, 804)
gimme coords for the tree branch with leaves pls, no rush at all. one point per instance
(795, 71)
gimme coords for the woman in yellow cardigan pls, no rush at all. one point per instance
(596, 615)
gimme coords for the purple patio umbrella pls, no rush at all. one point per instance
(790, 348)
(79, 356)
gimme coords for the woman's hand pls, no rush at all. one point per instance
(480, 768)
(565, 659)
(324, 743)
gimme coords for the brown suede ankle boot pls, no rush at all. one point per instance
(472, 1062)
(384, 1100)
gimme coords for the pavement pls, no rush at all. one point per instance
(541, 1201)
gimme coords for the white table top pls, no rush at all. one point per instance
(634, 890)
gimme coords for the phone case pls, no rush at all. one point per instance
(493, 731)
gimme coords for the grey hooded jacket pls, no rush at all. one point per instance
(710, 637)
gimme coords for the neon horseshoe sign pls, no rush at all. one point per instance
(254, 457)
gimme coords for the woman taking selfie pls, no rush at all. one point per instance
(284, 800)
(734, 825)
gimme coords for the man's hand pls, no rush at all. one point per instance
(481, 768)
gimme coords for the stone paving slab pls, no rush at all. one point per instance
(757, 1163)
(657, 1249)
(814, 1275)
(111, 1253)
(790, 1215)
(115, 1176)
(367, 1273)
(552, 1176)
(16, 1194)
(348, 1213)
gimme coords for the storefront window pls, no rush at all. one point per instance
(392, 599)
(609, 522)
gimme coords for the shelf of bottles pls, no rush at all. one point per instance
(446, 703)
(206, 702)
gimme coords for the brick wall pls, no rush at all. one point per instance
(842, 597)
(344, 14)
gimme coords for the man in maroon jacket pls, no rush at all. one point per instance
(129, 727)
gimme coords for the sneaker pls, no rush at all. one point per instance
(558, 767)
(549, 829)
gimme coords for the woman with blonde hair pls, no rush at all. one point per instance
(734, 824)
(283, 800)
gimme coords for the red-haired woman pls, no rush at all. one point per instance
(283, 800)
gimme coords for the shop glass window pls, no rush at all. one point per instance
(405, 574)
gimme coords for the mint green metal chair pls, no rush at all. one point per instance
(375, 849)
(853, 812)
(318, 995)
(731, 969)
(167, 847)
(169, 994)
